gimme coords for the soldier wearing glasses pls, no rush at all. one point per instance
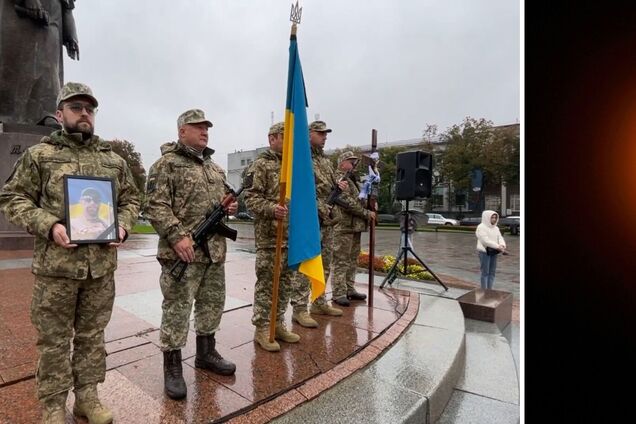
(74, 286)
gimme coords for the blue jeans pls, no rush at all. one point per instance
(488, 268)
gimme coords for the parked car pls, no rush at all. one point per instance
(437, 219)
(512, 222)
(386, 218)
(471, 222)
(244, 216)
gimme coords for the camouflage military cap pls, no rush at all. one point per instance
(319, 126)
(278, 128)
(72, 89)
(93, 193)
(346, 155)
(192, 116)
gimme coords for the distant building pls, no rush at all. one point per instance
(238, 161)
(505, 198)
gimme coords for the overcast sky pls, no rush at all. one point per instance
(391, 65)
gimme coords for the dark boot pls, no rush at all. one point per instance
(173, 381)
(354, 295)
(208, 358)
(342, 301)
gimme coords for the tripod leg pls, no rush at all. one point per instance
(428, 269)
(390, 276)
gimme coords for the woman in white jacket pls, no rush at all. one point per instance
(489, 236)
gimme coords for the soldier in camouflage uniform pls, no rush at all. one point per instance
(328, 216)
(347, 234)
(261, 198)
(74, 286)
(182, 186)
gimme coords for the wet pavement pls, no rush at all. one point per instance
(134, 380)
(449, 254)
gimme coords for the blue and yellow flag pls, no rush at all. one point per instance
(298, 175)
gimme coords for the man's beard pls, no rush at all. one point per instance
(86, 133)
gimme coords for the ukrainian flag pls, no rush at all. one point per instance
(298, 176)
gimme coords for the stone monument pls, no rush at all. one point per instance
(33, 34)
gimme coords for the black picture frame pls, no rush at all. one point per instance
(90, 206)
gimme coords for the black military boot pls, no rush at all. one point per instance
(208, 358)
(354, 295)
(173, 381)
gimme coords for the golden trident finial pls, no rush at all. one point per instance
(295, 14)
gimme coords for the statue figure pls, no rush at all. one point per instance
(32, 36)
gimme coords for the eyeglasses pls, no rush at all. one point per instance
(77, 108)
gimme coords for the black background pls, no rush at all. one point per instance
(580, 211)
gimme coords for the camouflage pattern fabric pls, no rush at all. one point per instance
(72, 89)
(203, 282)
(325, 182)
(265, 259)
(346, 249)
(62, 307)
(299, 292)
(192, 116)
(181, 189)
(347, 235)
(326, 250)
(33, 198)
(261, 199)
(262, 196)
(354, 216)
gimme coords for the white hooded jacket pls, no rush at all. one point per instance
(488, 235)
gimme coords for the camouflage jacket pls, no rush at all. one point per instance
(182, 188)
(325, 182)
(263, 180)
(354, 214)
(33, 198)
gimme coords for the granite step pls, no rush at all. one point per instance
(411, 382)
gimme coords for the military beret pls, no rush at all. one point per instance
(192, 116)
(319, 126)
(72, 89)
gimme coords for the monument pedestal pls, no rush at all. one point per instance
(487, 305)
(14, 140)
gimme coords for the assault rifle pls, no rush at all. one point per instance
(212, 224)
(334, 196)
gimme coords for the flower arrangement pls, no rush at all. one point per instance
(384, 263)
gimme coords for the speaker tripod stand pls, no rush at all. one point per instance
(404, 252)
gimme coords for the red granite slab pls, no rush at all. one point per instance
(206, 400)
(19, 404)
(124, 324)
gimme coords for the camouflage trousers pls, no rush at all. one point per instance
(326, 250)
(346, 249)
(202, 284)
(262, 307)
(63, 310)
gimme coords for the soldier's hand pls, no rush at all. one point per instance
(58, 232)
(232, 208)
(185, 249)
(280, 211)
(122, 235)
(371, 216)
(343, 184)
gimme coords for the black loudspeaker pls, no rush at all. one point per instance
(414, 175)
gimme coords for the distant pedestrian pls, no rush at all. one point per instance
(490, 243)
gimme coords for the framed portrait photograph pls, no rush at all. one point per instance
(90, 206)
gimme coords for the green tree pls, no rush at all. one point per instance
(126, 150)
(466, 149)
